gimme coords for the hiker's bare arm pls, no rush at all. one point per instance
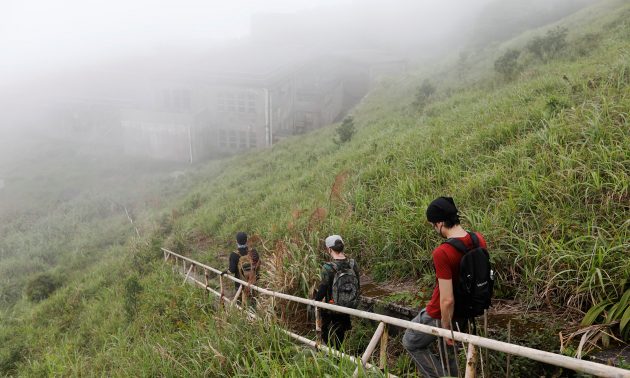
(447, 301)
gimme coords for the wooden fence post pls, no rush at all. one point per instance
(471, 361)
(370, 348)
(383, 351)
(188, 274)
(318, 325)
(238, 292)
(222, 292)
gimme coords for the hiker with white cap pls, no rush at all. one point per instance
(339, 285)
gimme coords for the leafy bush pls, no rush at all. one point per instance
(587, 43)
(425, 91)
(610, 312)
(41, 287)
(132, 290)
(345, 131)
(507, 64)
(10, 357)
(547, 47)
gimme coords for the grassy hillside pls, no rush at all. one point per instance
(63, 207)
(539, 163)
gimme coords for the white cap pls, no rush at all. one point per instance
(330, 241)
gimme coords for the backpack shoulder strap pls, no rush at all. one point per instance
(331, 267)
(475, 239)
(457, 244)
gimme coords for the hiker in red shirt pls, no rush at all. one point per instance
(443, 216)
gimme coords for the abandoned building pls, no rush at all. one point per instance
(234, 107)
(219, 104)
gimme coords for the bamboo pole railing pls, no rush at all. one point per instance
(555, 359)
(233, 303)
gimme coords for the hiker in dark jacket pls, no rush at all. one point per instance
(241, 250)
(333, 323)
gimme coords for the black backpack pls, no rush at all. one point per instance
(345, 285)
(473, 292)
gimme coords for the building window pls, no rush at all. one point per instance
(242, 139)
(240, 102)
(176, 99)
(221, 102)
(232, 142)
(309, 120)
(252, 139)
(222, 138)
(229, 102)
(305, 96)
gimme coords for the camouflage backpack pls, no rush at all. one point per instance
(345, 286)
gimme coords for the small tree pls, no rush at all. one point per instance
(462, 64)
(345, 131)
(507, 64)
(132, 290)
(424, 93)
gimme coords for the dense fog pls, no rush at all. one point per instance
(77, 69)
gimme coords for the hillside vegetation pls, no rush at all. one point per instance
(538, 161)
(540, 165)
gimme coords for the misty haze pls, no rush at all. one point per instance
(137, 138)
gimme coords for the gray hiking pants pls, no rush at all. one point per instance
(418, 345)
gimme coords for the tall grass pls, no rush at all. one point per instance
(539, 165)
(178, 332)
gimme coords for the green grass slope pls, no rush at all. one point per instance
(540, 165)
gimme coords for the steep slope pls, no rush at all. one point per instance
(539, 163)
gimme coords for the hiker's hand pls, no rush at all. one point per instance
(449, 342)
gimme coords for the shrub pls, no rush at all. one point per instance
(10, 356)
(547, 47)
(507, 64)
(41, 287)
(132, 289)
(424, 94)
(586, 44)
(611, 311)
(345, 131)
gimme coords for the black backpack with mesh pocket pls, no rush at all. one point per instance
(473, 291)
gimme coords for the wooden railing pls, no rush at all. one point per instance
(192, 268)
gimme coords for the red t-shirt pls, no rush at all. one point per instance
(446, 261)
